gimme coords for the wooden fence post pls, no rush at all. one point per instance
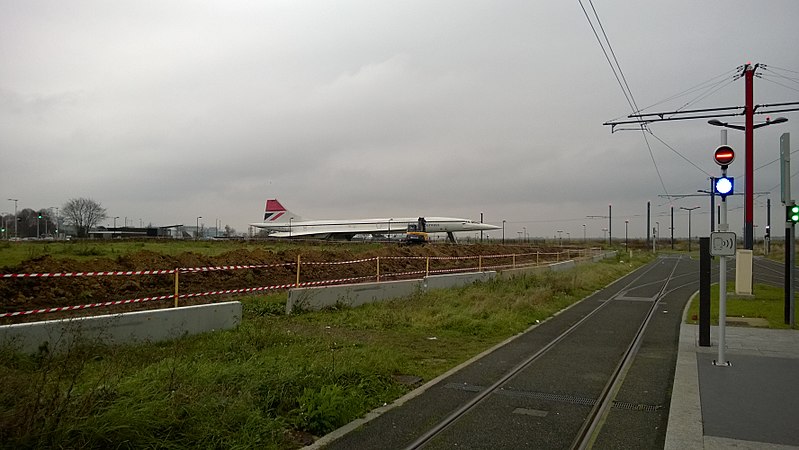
(177, 293)
(298, 272)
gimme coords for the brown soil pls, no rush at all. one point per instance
(24, 294)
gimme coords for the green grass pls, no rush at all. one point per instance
(768, 303)
(275, 378)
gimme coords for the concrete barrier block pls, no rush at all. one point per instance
(124, 328)
(562, 266)
(316, 298)
(521, 271)
(456, 280)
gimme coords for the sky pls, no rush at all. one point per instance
(164, 111)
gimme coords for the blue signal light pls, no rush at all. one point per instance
(724, 186)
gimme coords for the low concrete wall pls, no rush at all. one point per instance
(456, 279)
(155, 325)
(562, 266)
(315, 298)
(604, 255)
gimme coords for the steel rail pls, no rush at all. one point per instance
(592, 425)
(421, 441)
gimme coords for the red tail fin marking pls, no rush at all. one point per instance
(273, 210)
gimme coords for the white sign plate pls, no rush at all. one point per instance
(722, 243)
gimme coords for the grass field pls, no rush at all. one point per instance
(276, 380)
(768, 303)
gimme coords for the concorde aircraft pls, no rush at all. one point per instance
(282, 223)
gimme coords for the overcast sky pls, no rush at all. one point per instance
(163, 111)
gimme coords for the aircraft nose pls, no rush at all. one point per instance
(485, 226)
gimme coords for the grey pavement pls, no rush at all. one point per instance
(751, 404)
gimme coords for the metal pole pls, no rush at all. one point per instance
(722, 291)
(672, 230)
(712, 204)
(723, 273)
(767, 237)
(749, 72)
(648, 225)
(610, 229)
(790, 233)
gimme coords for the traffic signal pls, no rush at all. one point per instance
(40, 216)
(724, 186)
(792, 214)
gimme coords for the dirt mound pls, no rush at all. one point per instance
(279, 268)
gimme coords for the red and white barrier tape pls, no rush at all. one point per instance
(211, 269)
(86, 274)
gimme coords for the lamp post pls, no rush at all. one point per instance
(584, 238)
(503, 231)
(481, 231)
(291, 218)
(560, 237)
(626, 243)
(525, 234)
(689, 224)
(748, 129)
(389, 228)
(15, 200)
(197, 234)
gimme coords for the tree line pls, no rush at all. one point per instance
(81, 214)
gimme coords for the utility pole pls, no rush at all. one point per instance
(790, 234)
(749, 169)
(648, 225)
(748, 111)
(767, 236)
(672, 230)
(689, 223)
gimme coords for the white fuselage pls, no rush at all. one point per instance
(349, 228)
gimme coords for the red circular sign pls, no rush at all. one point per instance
(724, 155)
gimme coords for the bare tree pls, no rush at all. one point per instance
(83, 213)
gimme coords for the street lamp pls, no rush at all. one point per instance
(525, 234)
(689, 224)
(626, 243)
(15, 200)
(481, 231)
(560, 237)
(584, 238)
(749, 170)
(197, 234)
(503, 231)
(291, 218)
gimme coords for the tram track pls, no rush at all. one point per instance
(555, 386)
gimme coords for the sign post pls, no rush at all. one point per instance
(723, 241)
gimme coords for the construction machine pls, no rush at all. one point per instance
(417, 233)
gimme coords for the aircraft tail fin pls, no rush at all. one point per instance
(275, 212)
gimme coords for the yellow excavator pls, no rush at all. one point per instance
(417, 233)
